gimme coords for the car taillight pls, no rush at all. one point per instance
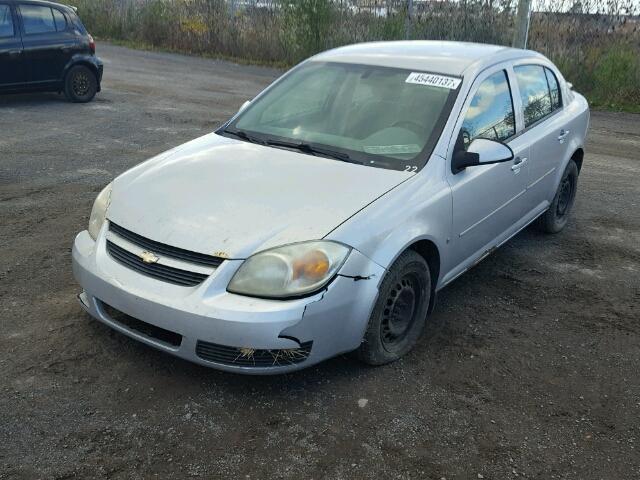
(92, 44)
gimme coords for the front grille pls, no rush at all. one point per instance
(155, 270)
(163, 249)
(146, 329)
(248, 357)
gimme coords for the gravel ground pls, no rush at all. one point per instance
(529, 368)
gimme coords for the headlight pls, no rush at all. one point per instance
(99, 211)
(290, 271)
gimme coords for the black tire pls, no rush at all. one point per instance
(400, 313)
(80, 84)
(556, 217)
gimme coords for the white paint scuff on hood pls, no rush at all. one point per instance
(216, 194)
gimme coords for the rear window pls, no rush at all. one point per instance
(37, 19)
(75, 19)
(6, 21)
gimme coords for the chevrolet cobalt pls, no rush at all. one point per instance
(324, 216)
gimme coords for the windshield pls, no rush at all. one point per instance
(377, 116)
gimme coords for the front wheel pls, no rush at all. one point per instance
(400, 312)
(555, 218)
(80, 84)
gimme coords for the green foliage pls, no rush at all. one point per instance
(306, 27)
(155, 20)
(609, 76)
(389, 28)
(602, 61)
(616, 78)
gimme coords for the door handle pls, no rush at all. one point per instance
(563, 134)
(518, 162)
(14, 53)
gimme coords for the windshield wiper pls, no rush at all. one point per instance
(312, 149)
(241, 134)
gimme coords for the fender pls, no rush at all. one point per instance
(91, 61)
(418, 209)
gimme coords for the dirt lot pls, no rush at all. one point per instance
(529, 368)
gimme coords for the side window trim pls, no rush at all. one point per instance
(548, 71)
(516, 99)
(513, 107)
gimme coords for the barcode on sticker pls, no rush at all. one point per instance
(433, 80)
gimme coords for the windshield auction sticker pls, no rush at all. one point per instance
(433, 80)
(392, 149)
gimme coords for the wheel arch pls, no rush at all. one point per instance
(575, 152)
(428, 250)
(85, 61)
(578, 156)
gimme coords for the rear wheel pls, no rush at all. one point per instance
(556, 217)
(80, 84)
(399, 316)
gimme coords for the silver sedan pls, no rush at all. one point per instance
(324, 217)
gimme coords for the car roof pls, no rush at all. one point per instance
(446, 57)
(45, 2)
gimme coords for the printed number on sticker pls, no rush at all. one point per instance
(433, 80)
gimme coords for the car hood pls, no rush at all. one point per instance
(229, 198)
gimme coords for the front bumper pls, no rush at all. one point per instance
(334, 319)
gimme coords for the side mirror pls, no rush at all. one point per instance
(244, 105)
(482, 151)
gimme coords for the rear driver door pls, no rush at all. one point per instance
(546, 129)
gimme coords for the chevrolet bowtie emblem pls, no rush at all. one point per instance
(149, 257)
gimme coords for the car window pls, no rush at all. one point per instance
(37, 19)
(534, 92)
(490, 114)
(554, 89)
(303, 98)
(379, 116)
(59, 19)
(6, 21)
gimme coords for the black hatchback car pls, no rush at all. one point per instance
(45, 47)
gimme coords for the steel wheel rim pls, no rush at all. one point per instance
(564, 197)
(400, 310)
(81, 84)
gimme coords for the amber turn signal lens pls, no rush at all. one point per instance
(313, 266)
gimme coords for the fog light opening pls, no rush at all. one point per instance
(283, 356)
(246, 352)
(288, 355)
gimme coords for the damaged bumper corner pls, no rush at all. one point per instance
(207, 325)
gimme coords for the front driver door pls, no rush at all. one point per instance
(11, 59)
(488, 200)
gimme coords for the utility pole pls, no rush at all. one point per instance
(409, 20)
(522, 24)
